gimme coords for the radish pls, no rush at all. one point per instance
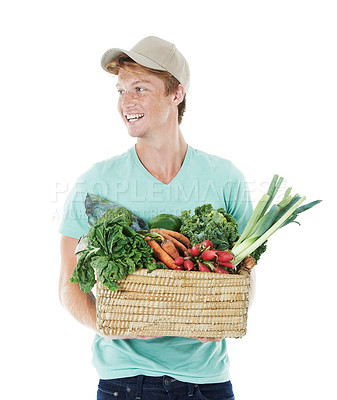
(179, 268)
(188, 264)
(220, 270)
(195, 251)
(203, 268)
(227, 264)
(208, 255)
(179, 261)
(208, 243)
(224, 256)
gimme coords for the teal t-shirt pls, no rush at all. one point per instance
(203, 178)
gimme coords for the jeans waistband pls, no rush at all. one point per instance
(138, 382)
(148, 380)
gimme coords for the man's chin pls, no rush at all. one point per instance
(136, 134)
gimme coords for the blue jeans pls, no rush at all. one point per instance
(161, 388)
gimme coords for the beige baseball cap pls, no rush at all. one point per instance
(155, 53)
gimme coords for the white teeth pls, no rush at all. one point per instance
(133, 117)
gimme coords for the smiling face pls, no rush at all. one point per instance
(143, 104)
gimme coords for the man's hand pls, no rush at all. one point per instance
(207, 339)
(202, 339)
(129, 337)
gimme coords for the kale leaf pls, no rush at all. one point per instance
(259, 251)
(206, 223)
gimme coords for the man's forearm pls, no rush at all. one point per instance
(252, 288)
(82, 306)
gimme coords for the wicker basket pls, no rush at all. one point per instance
(175, 303)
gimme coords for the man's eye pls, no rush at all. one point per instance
(120, 91)
(139, 89)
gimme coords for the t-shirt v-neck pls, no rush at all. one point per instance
(179, 175)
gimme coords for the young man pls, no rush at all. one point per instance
(160, 174)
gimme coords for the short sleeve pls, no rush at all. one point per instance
(74, 221)
(237, 198)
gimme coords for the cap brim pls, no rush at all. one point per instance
(113, 54)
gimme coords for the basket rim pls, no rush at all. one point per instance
(171, 274)
(161, 271)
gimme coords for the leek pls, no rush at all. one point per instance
(257, 213)
(272, 191)
(263, 222)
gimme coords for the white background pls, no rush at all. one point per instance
(263, 94)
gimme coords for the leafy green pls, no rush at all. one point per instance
(206, 223)
(256, 254)
(114, 250)
(116, 212)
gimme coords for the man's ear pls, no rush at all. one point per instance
(179, 94)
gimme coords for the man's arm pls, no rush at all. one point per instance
(252, 288)
(82, 306)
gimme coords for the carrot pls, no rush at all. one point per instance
(178, 236)
(170, 248)
(160, 254)
(181, 247)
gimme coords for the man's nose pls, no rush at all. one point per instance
(128, 100)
